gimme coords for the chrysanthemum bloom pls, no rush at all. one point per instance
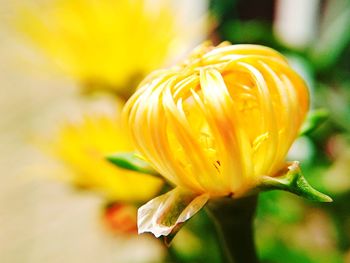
(214, 126)
(82, 147)
(108, 44)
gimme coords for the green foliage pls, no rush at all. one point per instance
(196, 242)
(131, 161)
(292, 180)
(313, 120)
(254, 31)
(325, 65)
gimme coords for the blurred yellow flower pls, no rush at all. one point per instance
(216, 124)
(107, 43)
(83, 146)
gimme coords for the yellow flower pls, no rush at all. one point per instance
(216, 124)
(107, 43)
(83, 146)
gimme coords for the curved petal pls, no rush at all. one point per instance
(164, 214)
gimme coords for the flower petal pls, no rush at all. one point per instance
(164, 214)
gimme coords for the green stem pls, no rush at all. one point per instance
(234, 221)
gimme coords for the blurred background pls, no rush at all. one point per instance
(67, 68)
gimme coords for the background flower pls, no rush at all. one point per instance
(109, 44)
(83, 145)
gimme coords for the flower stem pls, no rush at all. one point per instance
(234, 222)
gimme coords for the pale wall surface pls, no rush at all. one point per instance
(43, 221)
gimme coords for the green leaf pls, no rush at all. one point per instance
(334, 35)
(165, 214)
(131, 161)
(292, 180)
(313, 120)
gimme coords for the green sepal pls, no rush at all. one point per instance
(313, 120)
(292, 180)
(131, 161)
